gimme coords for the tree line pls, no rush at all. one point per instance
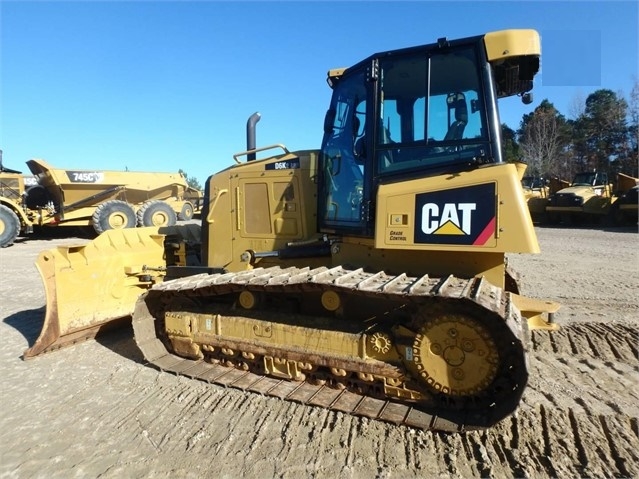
(192, 181)
(602, 135)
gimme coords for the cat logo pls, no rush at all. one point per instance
(464, 216)
(455, 218)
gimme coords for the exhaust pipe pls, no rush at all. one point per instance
(250, 135)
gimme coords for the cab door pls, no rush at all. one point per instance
(344, 191)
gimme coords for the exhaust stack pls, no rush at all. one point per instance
(250, 135)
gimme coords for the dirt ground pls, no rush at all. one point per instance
(96, 410)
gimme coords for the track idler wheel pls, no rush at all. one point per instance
(472, 363)
(455, 355)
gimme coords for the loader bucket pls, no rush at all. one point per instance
(89, 285)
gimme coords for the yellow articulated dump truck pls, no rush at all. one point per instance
(587, 198)
(101, 199)
(108, 199)
(367, 276)
(537, 191)
(624, 211)
(591, 197)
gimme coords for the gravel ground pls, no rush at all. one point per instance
(96, 410)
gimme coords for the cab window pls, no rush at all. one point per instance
(430, 111)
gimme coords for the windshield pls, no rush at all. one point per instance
(430, 113)
(590, 179)
(532, 182)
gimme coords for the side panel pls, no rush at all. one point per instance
(11, 186)
(88, 188)
(478, 210)
(260, 206)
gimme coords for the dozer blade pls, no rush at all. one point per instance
(89, 285)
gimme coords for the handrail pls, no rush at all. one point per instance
(270, 147)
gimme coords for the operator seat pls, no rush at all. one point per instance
(456, 130)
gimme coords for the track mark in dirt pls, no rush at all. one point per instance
(410, 445)
(581, 447)
(617, 436)
(508, 444)
(599, 340)
(582, 383)
(582, 397)
(547, 439)
(476, 450)
(576, 444)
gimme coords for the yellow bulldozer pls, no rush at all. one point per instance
(368, 276)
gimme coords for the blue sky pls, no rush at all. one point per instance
(157, 86)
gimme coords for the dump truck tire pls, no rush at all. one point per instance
(9, 226)
(37, 196)
(187, 212)
(615, 216)
(112, 215)
(156, 213)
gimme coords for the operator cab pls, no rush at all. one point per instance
(590, 179)
(408, 114)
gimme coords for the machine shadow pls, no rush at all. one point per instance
(28, 323)
(116, 336)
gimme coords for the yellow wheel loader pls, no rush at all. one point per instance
(368, 276)
(14, 220)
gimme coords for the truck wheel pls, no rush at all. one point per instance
(37, 196)
(9, 226)
(187, 212)
(615, 216)
(113, 215)
(156, 213)
(552, 218)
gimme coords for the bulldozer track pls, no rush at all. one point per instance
(362, 285)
